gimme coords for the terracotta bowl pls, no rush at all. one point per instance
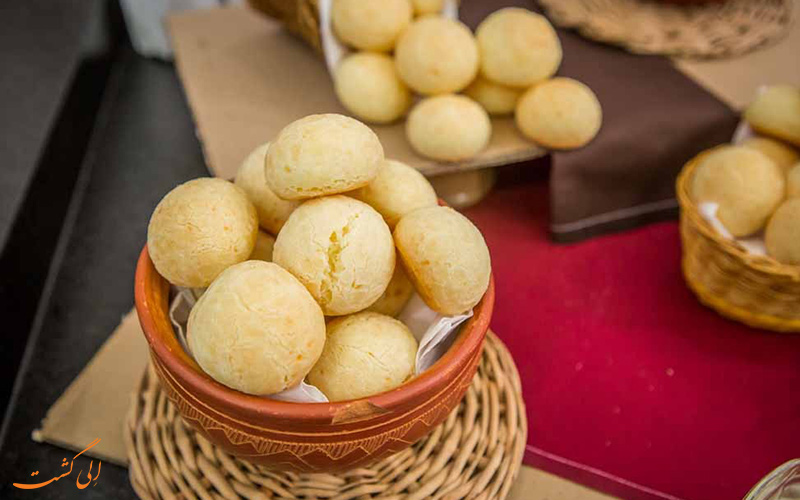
(309, 437)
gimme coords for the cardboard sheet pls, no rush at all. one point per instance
(246, 78)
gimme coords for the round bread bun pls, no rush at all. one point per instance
(436, 55)
(424, 7)
(367, 84)
(793, 182)
(448, 128)
(199, 229)
(445, 257)
(397, 294)
(272, 210)
(365, 354)
(495, 98)
(783, 155)
(256, 329)
(518, 47)
(776, 112)
(561, 113)
(397, 190)
(745, 184)
(340, 249)
(782, 236)
(373, 25)
(322, 154)
(265, 243)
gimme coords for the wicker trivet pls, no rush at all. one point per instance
(476, 453)
(708, 30)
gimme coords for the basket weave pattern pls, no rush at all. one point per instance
(300, 17)
(475, 453)
(756, 290)
(707, 30)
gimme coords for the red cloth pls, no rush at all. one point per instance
(626, 377)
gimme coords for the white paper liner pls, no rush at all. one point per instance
(434, 333)
(335, 51)
(753, 245)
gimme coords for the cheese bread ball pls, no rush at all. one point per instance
(783, 155)
(199, 229)
(776, 112)
(793, 182)
(340, 249)
(265, 243)
(322, 154)
(256, 329)
(365, 354)
(436, 55)
(397, 190)
(397, 294)
(782, 236)
(423, 7)
(495, 98)
(272, 211)
(518, 47)
(448, 128)
(561, 113)
(445, 257)
(367, 84)
(745, 184)
(373, 25)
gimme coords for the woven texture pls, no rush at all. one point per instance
(300, 17)
(756, 290)
(476, 453)
(708, 30)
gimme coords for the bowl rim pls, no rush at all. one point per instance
(181, 365)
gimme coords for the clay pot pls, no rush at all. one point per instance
(305, 437)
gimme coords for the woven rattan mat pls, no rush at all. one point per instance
(709, 30)
(476, 453)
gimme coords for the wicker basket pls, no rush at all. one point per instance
(475, 453)
(300, 17)
(756, 290)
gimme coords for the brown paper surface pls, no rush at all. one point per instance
(246, 78)
(96, 403)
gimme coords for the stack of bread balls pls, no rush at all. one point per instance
(757, 184)
(405, 46)
(317, 226)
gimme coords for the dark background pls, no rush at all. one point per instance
(91, 137)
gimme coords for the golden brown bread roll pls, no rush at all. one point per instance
(199, 229)
(518, 47)
(365, 354)
(321, 155)
(496, 99)
(561, 113)
(256, 329)
(776, 112)
(397, 190)
(340, 249)
(448, 128)
(445, 257)
(373, 25)
(436, 56)
(745, 184)
(272, 210)
(367, 84)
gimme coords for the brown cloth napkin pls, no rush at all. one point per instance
(654, 120)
